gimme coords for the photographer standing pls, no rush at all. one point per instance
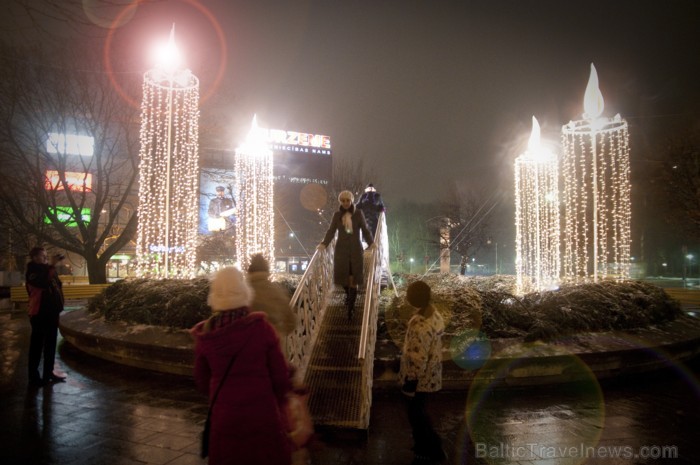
(45, 292)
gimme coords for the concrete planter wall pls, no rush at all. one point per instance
(513, 362)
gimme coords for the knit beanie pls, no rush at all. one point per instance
(228, 290)
(418, 294)
(258, 263)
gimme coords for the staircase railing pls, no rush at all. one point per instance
(309, 303)
(368, 334)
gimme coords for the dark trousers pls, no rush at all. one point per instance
(43, 339)
(425, 440)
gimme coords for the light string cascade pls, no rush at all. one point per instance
(597, 193)
(537, 217)
(168, 175)
(255, 231)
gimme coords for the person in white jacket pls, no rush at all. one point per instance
(421, 369)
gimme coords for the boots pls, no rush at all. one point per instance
(350, 301)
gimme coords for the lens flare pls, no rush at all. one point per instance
(127, 13)
(470, 350)
(580, 405)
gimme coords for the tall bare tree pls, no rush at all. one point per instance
(81, 199)
(410, 227)
(679, 179)
(348, 175)
(466, 214)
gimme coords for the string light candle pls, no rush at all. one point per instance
(168, 170)
(536, 216)
(255, 231)
(597, 205)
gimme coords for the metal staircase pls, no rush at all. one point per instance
(335, 355)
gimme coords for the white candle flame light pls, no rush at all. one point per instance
(536, 216)
(596, 193)
(166, 238)
(593, 102)
(167, 56)
(255, 232)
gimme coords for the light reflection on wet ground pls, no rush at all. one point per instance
(110, 414)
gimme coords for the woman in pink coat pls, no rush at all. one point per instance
(247, 422)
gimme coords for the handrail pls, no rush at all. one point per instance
(374, 277)
(309, 303)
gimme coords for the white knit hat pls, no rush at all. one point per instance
(228, 290)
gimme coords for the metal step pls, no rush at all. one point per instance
(334, 374)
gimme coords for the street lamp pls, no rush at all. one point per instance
(495, 262)
(410, 265)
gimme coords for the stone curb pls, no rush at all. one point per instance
(512, 362)
(583, 357)
(142, 346)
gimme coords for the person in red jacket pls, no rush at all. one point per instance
(248, 423)
(45, 292)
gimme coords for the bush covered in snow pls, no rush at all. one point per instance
(486, 304)
(177, 303)
(489, 305)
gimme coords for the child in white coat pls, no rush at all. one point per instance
(421, 369)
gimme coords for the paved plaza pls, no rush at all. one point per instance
(114, 415)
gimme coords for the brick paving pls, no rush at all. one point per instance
(110, 414)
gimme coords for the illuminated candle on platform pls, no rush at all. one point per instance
(255, 229)
(536, 216)
(166, 237)
(597, 204)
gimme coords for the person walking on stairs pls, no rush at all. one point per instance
(348, 263)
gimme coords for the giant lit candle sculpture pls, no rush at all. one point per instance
(597, 210)
(536, 216)
(255, 231)
(168, 170)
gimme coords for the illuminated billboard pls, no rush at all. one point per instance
(66, 215)
(217, 204)
(299, 142)
(76, 181)
(70, 144)
(302, 170)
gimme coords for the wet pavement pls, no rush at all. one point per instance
(110, 414)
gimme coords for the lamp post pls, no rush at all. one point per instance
(495, 262)
(168, 169)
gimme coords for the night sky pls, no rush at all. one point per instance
(427, 92)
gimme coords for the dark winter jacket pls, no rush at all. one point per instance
(372, 206)
(348, 246)
(247, 424)
(45, 292)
